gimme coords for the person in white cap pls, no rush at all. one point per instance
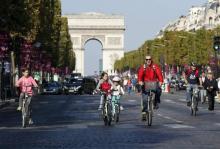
(117, 91)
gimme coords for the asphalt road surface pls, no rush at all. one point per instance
(73, 122)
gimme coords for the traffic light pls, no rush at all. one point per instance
(216, 44)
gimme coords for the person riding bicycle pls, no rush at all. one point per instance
(26, 83)
(117, 91)
(191, 78)
(149, 72)
(104, 85)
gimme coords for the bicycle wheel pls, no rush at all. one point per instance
(150, 112)
(104, 115)
(117, 112)
(24, 115)
(108, 113)
(193, 106)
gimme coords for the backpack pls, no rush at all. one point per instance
(154, 68)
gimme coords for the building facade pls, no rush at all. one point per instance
(206, 16)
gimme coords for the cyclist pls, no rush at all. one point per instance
(104, 85)
(26, 83)
(191, 78)
(149, 72)
(117, 91)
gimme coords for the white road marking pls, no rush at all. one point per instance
(126, 126)
(170, 118)
(180, 99)
(178, 126)
(132, 100)
(217, 124)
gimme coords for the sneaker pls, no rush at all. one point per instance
(188, 103)
(156, 106)
(144, 114)
(100, 108)
(197, 109)
(121, 108)
(31, 122)
(19, 108)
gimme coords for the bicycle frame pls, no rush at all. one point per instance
(25, 110)
(151, 98)
(107, 109)
(194, 101)
(116, 107)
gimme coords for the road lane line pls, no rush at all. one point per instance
(178, 126)
(170, 118)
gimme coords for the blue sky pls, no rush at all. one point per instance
(143, 19)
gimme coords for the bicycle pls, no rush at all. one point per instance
(26, 109)
(107, 109)
(116, 108)
(194, 100)
(150, 89)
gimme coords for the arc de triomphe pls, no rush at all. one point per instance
(107, 29)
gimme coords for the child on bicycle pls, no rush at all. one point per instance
(25, 83)
(104, 85)
(117, 91)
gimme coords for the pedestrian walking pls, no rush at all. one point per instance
(211, 87)
(202, 90)
(129, 86)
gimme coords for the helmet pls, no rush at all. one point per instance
(116, 79)
(193, 64)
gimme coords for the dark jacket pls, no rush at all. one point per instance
(211, 86)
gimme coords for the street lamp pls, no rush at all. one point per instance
(216, 47)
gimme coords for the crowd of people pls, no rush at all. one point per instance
(148, 74)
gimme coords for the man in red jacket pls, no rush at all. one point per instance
(149, 72)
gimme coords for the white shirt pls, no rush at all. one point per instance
(117, 90)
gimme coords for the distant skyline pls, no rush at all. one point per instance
(143, 19)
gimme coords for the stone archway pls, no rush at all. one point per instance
(107, 29)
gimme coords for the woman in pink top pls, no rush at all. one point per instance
(26, 84)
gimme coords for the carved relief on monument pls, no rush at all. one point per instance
(114, 40)
(76, 40)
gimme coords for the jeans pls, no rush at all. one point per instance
(189, 91)
(102, 99)
(144, 101)
(202, 95)
(28, 103)
(115, 100)
(129, 89)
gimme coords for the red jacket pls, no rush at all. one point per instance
(152, 73)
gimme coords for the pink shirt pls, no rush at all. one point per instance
(26, 84)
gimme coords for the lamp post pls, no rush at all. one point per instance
(216, 46)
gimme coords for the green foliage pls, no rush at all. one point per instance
(175, 48)
(39, 21)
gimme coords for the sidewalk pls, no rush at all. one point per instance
(7, 102)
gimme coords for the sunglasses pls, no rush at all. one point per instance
(148, 59)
